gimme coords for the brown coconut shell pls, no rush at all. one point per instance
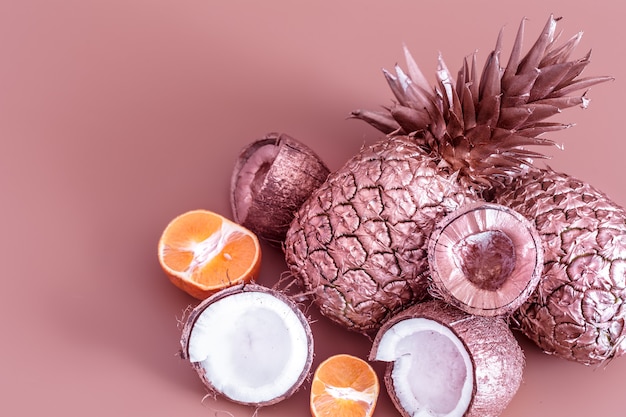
(497, 359)
(272, 178)
(207, 380)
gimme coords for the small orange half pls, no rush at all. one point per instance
(344, 386)
(203, 252)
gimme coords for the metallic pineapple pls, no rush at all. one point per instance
(578, 310)
(359, 242)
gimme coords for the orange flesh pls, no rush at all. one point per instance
(203, 252)
(344, 386)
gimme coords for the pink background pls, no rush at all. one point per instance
(117, 115)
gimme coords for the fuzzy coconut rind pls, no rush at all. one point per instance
(271, 179)
(496, 357)
(275, 325)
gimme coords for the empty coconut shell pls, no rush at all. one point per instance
(271, 179)
(485, 259)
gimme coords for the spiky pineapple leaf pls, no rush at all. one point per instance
(482, 125)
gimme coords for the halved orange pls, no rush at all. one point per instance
(203, 252)
(344, 386)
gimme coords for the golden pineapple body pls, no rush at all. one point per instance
(358, 244)
(579, 308)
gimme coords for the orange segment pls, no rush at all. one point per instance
(203, 252)
(344, 386)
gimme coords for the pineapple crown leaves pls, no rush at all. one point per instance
(482, 127)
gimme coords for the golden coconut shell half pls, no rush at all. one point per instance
(485, 259)
(272, 178)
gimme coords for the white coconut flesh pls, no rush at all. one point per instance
(251, 177)
(433, 374)
(252, 347)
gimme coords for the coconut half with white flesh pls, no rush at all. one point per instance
(250, 344)
(271, 179)
(444, 362)
(485, 259)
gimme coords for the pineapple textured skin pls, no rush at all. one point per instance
(358, 244)
(578, 311)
